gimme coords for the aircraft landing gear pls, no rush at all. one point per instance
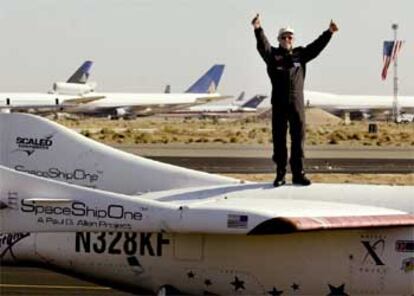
(168, 290)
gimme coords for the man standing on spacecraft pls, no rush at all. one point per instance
(286, 67)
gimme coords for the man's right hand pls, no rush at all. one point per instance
(256, 22)
(333, 27)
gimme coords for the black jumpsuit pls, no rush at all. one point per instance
(286, 70)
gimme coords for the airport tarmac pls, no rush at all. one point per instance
(255, 159)
(235, 165)
(264, 151)
(16, 280)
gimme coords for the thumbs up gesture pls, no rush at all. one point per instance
(333, 27)
(256, 22)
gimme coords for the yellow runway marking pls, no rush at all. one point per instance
(52, 287)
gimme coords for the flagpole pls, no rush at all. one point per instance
(396, 107)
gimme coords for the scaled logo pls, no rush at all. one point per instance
(30, 145)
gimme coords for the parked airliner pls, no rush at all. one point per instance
(67, 93)
(365, 104)
(118, 105)
(81, 97)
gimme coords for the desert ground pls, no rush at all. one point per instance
(322, 129)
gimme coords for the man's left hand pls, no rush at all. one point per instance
(333, 27)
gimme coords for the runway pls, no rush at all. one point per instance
(221, 165)
(253, 159)
(35, 281)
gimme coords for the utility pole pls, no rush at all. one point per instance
(396, 107)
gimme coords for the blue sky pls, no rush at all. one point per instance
(140, 45)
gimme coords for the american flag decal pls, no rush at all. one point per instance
(237, 221)
(390, 52)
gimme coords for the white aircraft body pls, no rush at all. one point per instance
(80, 97)
(362, 103)
(126, 104)
(141, 224)
(17, 101)
(64, 94)
(120, 104)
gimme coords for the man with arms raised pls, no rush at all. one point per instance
(286, 67)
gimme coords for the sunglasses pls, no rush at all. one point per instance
(286, 37)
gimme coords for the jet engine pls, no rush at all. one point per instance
(77, 89)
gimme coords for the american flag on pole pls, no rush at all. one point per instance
(390, 51)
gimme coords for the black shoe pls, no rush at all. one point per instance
(279, 181)
(301, 180)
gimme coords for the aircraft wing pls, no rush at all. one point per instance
(281, 216)
(82, 100)
(298, 224)
(209, 99)
(199, 101)
(29, 204)
(141, 103)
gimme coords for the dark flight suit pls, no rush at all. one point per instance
(286, 70)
